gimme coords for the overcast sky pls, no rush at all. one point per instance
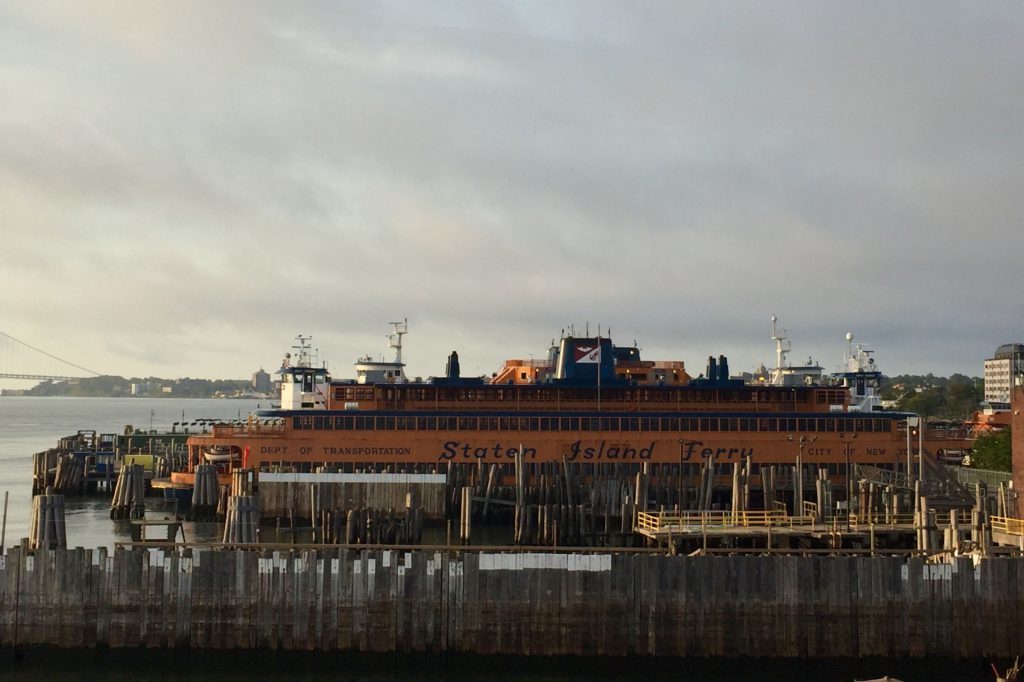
(184, 187)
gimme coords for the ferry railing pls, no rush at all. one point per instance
(253, 429)
(1007, 525)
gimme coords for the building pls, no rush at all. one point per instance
(1001, 373)
(1017, 445)
(261, 381)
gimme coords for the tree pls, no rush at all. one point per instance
(992, 451)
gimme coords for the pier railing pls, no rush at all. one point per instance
(652, 523)
(865, 520)
(1008, 525)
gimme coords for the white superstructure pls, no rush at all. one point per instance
(303, 386)
(370, 371)
(861, 376)
(790, 375)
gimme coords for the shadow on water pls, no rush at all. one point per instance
(163, 665)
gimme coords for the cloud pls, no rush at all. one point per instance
(217, 178)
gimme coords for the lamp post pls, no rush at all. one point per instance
(849, 483)
(681, 444)
(911, 422)
(798, 474)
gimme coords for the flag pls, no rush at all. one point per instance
(588, 355)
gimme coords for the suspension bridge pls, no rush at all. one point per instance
(20, 360)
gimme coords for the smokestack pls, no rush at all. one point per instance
(451, 370)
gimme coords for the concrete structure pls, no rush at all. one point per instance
(1002, 372)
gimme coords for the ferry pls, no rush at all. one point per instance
(588, 402)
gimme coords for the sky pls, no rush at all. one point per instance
(186, 186)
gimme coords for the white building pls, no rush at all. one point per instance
(1002, 372)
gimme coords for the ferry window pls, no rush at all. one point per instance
(649, 423)
(467, 423)
(318, 423)
(885, 424)
(709, 423)
(674, 424)
(830, 424)
(545, 424)
(727, 424)
(345, 423)
(296, 423)
(805, 425)
(567, 424)
(748, 424)
(402, 423)
(503, 423)
(631, 423)
(787, 425)
(766, 425)
(431, 424)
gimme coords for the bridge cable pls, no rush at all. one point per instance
(50, 355)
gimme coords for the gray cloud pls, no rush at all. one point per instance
(183, 189)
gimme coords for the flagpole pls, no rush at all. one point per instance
(599, 360)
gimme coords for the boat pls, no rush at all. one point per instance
(222, 453)
(590, 402)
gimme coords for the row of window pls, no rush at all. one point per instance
(552, 394)
(487, 423)
(670, 470)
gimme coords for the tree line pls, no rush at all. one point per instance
(149, 387)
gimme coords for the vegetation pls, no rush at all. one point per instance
(992, 452)
(955, 397)
(150, 387)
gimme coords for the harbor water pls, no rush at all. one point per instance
(29, 425)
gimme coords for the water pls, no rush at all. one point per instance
(29, 425)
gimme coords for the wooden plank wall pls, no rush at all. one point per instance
(276, 499)
(516, 603)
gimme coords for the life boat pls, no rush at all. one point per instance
(221, 453)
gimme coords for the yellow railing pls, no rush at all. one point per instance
(661, 522)
(1008, 525)
(860, 521)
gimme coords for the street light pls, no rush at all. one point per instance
(849, 487)
(911, 422)
(798, 478)
(681, 444)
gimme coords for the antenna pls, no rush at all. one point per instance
(395, 337)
